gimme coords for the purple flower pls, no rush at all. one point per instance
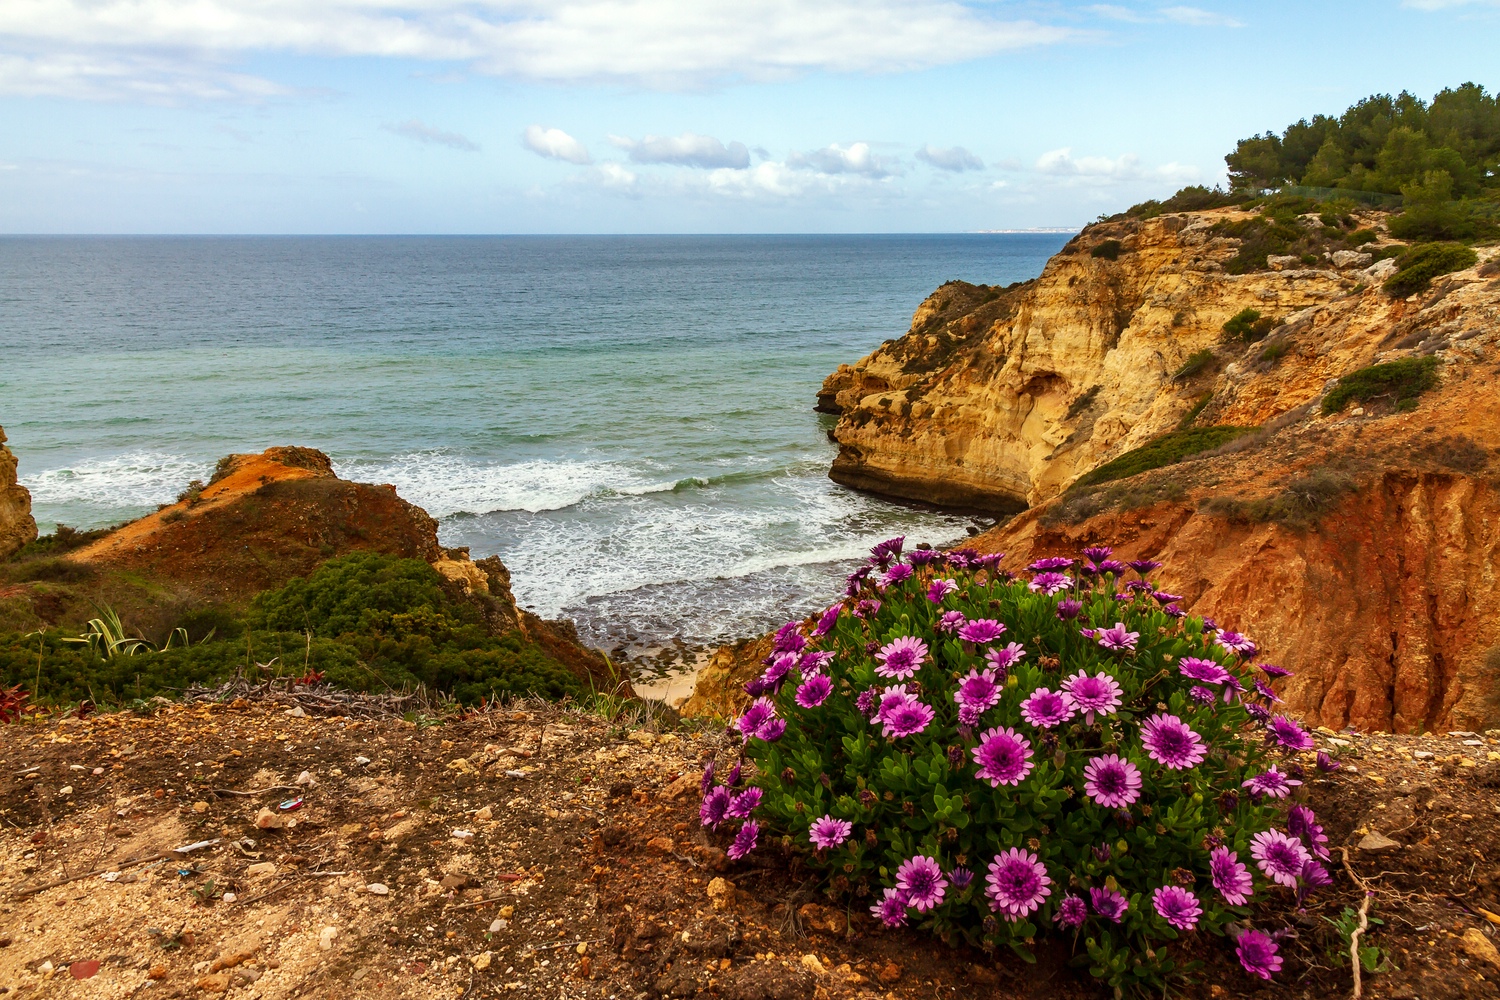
(1286, 733)
(755, 687)
(1017, 883)
(978, 691)
(1050, 563)
(901, 658)
(889, 550)
(1072, 911)
(788, 639)
(1138, 587)
(828, 620)
(1207, 671)
(1111, 566)
(761, 711)
(771, 730)
(952, 621)
(1098, 553)
(1003, 756)
(866, 701)
(1209, 625)
(960, 877)
(771, 679)
(1144, 566)
(1112, 781)
(1265, 691)
(707, 781)
(814, 691)
(1168, 740)
(1173, 611)
(1202, 695)
(1272, 783)
(968, 715)
(744, 841)
(1314, 877)
(921, 878)
(891, 910)
(1236, 643)
(1177, 906)
(744, 803)
(1049, 583)
(922, 556)
(1302, 823)
(981, 631)
(1006, 657)
(1327, 764)
(1257, 952)
(1108, 903)
(856, 581)
(1230, 876)
(1067, 609)
(1116, 639)
(902, 715)
(1274, 671)
(1092, 694)
(1232, 687)
(715, 806)
(1045, 708)
(868, 608)
(1281, 857)
(815, 662)
(829, 832)
(1162, 597)
(898, 573)
(940, 589)
(734, 775)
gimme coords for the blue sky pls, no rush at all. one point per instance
(601, 116)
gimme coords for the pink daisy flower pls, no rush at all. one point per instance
(1003, 756)
(1017, 883)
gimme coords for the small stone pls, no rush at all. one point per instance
(268, 820)
(463, 834)
(378, 889)
(200, 808)
(361, 761)
(721, 891)
(158, 972)
(507, 912)
(661, 845)
(1375, 843)
(229, 897)
(498, 925)
(217, 982)
(306, 778)
(97, 771)
(296, 713)
(1479, 947)
(65, 790)
(811, 964)
(484, 815)
(261, 868)
(45, 970)
(1423, 754)
(482, 960)
(889, 973)
(326, 936)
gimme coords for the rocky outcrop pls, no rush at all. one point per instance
(999, 398)
(17, 526)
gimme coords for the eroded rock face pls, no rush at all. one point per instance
(17, 526)
(998, 399)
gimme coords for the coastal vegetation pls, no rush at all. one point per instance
(998, 761)
(1165, 450)
(1419, 265)
(363, 622)
(1399, 382)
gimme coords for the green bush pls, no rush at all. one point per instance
(366, 622)
(1249, 325)
(1108, 250)
(1275, 352)
(1166, 450)
(1428, 223)
(1196, 362)
(1261, 237)
(1000, 761)
(1194, 198)
(1421, 264)
(1360, 237)
(1400, 381)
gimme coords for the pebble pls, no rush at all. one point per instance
(230, 897)
(200, 808)
(326, 936)
(261, 868)
(1423, 754)
(97, 771)
(1375, 843)
(482, 960)
(484, 815)
(65, 790)
(379, 888)
(361, 761)
(305, 778)
(498, 926)
(463, 834)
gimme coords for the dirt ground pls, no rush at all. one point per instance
(535, 850)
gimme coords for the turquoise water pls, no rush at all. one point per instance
(626, 421)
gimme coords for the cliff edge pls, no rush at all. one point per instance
(17, 526)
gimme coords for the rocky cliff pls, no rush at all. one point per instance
(1360, 547)
(17, 527)
(999, 398)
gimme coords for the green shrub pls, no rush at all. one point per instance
(917, 748)
(1191, 416)
(1421, 264)
(1299, 505)
(1194, 198)
(1195, 363)
(60, 542)
(1400, 381)
(1360, 237)
(1166, 450)
(1108, 250)
(1249, 325)
(1441, 221)
(1275, 352)
(1260, 237)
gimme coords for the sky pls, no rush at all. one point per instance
(670, 116)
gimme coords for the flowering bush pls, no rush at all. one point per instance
(993, 759)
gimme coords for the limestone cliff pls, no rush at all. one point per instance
(17, 527)
(999, 398)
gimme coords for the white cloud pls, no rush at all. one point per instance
(956, 159)
(555, 144)
(109, 76)
(856, 158)
(1448, 4)
(1061, 163)
(671, 44)
(1195, 16)
(687, 150)
(422, 132)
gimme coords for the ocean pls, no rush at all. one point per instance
(626, 421)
